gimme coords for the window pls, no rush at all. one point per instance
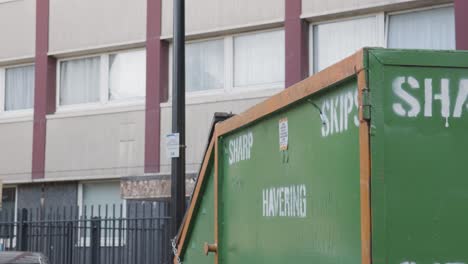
(79, 81)
(9, 199)
(235, 63)
(97, 194)
(429, 28)
(127, 75)
(205, 65)
(259, 59)
(426, 29)
(8, 214)
(102, 79)
(18, 91)
(103, 200)
(335, 41)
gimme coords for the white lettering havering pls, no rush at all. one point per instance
(288, 201)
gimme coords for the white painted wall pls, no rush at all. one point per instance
(88, 24)
(17, 29)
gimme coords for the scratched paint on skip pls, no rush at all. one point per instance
(409, 105)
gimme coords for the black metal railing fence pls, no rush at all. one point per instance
(131, 233)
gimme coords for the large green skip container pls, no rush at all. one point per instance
(364, 162)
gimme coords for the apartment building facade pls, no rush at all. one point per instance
(85, 85)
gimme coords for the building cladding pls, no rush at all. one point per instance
(85, 84)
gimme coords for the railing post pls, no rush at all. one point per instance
(23, 230)
(95, 240)
(70, 241)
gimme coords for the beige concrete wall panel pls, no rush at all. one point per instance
(218, 15)
(89, 24)
(95, 146)
(16, 151)
(17, 29)
(318, 8)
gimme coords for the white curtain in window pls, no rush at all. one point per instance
(335, 41)
(19, 88)
(127, 75)
(205, 65)
(259, 59)
(426, 29)
(79, 81)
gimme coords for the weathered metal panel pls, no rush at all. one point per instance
(300, 203)
(418, 144)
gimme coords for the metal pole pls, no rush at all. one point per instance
(23, 245)
(95, 240)
(178, 116)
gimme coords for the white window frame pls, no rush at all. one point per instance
(229, 91)
(381, 33)
(382, 27)
(104, 101)
(12, 113)
(387, 16)
(86, 241)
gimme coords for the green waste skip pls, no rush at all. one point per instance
(364, 162)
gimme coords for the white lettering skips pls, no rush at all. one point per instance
(411, 106)
(287, 201)
(336, 113)
(240, 148)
